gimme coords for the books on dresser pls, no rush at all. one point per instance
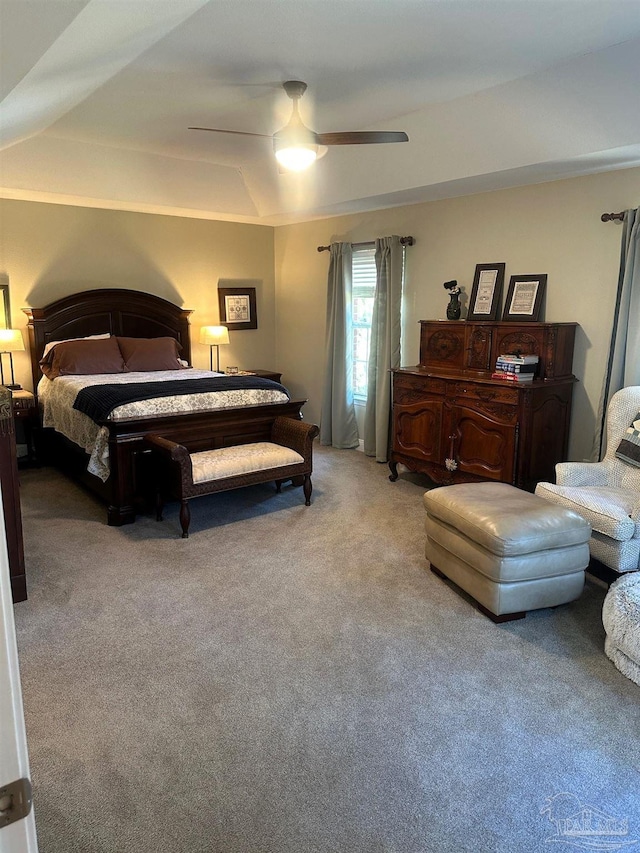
(514, 358)
(515, 368)
(512, 377)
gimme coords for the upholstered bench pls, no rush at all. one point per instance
(621, 620)
(508, 549)
(288, 455)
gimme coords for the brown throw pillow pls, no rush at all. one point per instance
(145, 354)
(83, 357)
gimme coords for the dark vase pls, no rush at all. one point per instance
(453, 308)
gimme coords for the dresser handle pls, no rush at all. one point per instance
(450, 463)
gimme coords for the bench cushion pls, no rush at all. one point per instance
(241, 459)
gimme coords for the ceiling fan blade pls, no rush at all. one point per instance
(236, 132)
(361, 137)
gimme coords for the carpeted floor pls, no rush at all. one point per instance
(294, 679)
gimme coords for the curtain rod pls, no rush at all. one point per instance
(607, 217)
(406, 241)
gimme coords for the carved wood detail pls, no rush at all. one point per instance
(444, 345)
(407, 396)
(519, 341)
(480, 350)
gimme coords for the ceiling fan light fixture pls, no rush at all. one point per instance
(295, 157)
(297, 147)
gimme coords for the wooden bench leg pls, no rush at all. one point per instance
(307, 490)
(159, 505)
(185, 518)
(279, 485)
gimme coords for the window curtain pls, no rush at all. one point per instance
(338, 426)
(384, 346)
(623, 365)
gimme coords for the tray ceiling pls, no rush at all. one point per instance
(98, 95)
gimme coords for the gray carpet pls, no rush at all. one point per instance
(294, 679)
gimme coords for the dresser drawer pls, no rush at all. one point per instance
(409, 388)
(483, 393)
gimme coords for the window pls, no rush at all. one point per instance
(363, 269)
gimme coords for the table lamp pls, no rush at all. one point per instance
(213, 336)
(10, 341)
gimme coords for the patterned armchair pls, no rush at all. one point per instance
(606, 493)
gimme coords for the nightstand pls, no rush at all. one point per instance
(266, 374)
(25, 413)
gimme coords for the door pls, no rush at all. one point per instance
(19, 836)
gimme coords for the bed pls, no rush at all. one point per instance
(134, 314)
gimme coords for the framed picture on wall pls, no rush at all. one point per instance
(5, 304)
(524, 297)
(238, 308)
(486, 291)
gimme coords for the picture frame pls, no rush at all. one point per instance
(486, 292)
(524, 298)
(5, 303)
(238, 308)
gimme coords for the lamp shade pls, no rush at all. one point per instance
(11, 340)
(296, 158)
(214, 335)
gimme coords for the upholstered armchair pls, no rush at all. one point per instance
(607, 493)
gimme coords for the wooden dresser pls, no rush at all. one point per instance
(455, 423)
(11, 496)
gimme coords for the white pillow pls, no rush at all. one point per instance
(52, 344)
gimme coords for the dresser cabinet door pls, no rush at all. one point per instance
(442, 346)
(417, 430)
(481, 444)
(479, 346)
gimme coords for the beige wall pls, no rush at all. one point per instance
(551, 228)
(48, 251)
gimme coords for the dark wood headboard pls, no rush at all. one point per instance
(130, 313)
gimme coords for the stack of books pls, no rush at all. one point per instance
(516, 368)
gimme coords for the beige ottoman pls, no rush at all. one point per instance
(510, 550)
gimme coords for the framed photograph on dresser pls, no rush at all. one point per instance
(524, 297)
(484, 302)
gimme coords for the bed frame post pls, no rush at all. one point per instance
(122, 460)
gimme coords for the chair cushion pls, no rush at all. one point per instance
(241, 459)
(607, 509)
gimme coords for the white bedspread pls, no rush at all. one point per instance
(57, 397)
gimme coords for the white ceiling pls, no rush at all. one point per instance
(98, 95)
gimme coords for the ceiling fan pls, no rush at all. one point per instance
(296, 146)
